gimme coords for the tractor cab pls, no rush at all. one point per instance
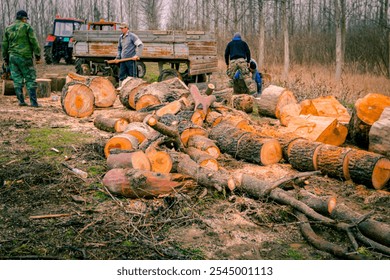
(59, 43)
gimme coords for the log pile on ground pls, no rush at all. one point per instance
(158, 154)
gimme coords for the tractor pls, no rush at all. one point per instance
(59, 44)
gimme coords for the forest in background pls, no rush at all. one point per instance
(337, 33)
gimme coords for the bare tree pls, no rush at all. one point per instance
(340, 8)
(151, 10)
(286, 40)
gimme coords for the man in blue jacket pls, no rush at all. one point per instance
(237, 58)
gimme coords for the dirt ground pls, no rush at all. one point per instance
(201, 224)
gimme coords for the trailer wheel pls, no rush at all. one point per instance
(141, 69)
(167, 74)
(82, 68)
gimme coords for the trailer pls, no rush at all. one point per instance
(193, 51)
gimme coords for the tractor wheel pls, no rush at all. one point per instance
(48, 55)
(141, 69)
(167, 74)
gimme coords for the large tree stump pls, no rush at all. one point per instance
(366, 111)
(135, 160)
(273, 99)
(379, 135)
(370, 169)
(122, 142)
(129, 89)
(77, 100)
(333, 161)
(134, 183)
(44, 88)
(110, 124)
(103, 90)
(8, 87)
(327, 106)
(302, 154)
(316, 128)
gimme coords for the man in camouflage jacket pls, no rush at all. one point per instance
(20, 44)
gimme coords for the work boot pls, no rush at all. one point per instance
(33, 97)
(19, 95)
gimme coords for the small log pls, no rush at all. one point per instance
(224, 96)
(370, 169)
(160, 160)
(366, 112)
(187, 129)
(170, 108)
(213, 118)
(316, 128)
(121, 141)
(131, 116)
(204, 144)
(140, 130)
(103, 90)
(77, 100)
(243, 102)
(379, 135)
(202, 158)
(129, 89)
(57, 82)
(8, 87)
(197, 117)
(44, 88)
(302, 154)
(110, 124)
(210, 89)
(333, 161)
(136, 160)
(273, 99)
(134, 183)
(327, 106)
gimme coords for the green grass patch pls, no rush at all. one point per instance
(43, 139)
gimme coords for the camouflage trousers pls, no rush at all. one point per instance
(242, 65)
(23, 72)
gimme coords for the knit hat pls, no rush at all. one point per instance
(21, 14)
(237, 35)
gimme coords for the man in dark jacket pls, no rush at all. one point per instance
(237, 58)
(20, 44)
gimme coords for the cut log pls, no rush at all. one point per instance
(103, 90)
(77, 100)
(315, 128)
(370, 169)
(110, 124)
(170, 108)
(285, 141)
(198, 117)
(202, 158)
(187, 129)
(74, 77)
(57, 82)
(141, 131)
(130, 87)
(333, 161)
(134, 183)
(327, 106)
(122, 142)
(243, 102)
(204, 144)
(273, 99)
(8, 87)
(379, 136)
(224, 96)
(302, 154)
(160, 160)
(288, 112)
(136, 160)
(246, 145)
(44, 88)
(366, 111)
(213, 118)
(131, 116)
(210, 89)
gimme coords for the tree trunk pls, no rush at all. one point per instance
(333, 161)
(204, 144)
(130, 87)
(141, 131)
(202, 158)
(77, 100)
(302, 154)
(243, 102)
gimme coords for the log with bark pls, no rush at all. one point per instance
(273, 99)
(129, 88)
(140, 130)
(77, 100)
(121, 141)
(302, 154)
(327, 106)
(366, 112)
(379, 135)
(202, 158)
(8, 87)
(370, 169)
(103, 90)
(289, 112)
(160, 160)
(136, 160)
(57, 81)
(43, 88)
(246, 145)
(135, 183)
(110, 124)
(204, 144)
(333, 161)
(243, 102)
